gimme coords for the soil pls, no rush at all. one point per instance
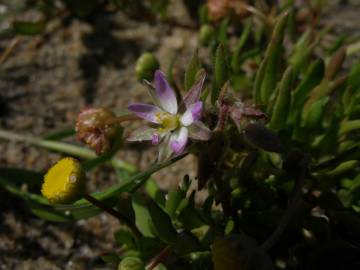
(47, 80)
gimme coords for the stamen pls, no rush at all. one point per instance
(167, 121)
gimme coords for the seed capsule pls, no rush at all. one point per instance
(95, 127)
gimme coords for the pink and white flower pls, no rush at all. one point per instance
(174, 123)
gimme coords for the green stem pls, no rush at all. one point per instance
(114, 213)
(158, 258)
(61, 147)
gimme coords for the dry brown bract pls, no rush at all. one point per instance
(219, 9)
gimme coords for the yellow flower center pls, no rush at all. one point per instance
(64, 182)
(167, 121)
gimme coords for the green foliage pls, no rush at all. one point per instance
(273, 56)
(29, 28)
(283, 100)
(221, 71)
(191, 71)
(162, 224)
(237, 54)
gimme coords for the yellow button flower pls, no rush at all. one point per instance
(64, 182)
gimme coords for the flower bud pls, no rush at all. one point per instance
(146, 66)
(206, 34)
(64, 182)
(131, 263)
(95, 127)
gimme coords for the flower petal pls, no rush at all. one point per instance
(145, 111)
(193, 95)
(155, 140)
(152, 92)
(166, 95)
(198, 131)
(165, 150)
(178, 140)
(193, 113)
(142, 134)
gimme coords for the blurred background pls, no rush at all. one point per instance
(82, 56)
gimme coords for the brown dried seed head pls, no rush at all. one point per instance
(95, 127)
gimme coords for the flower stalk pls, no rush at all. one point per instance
(122, 218)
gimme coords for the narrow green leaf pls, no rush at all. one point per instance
(48, 213)
(61, 147)
(313, 118)
(236, 56)
(273, 55)
(349, 126)
(11, 187)
(351, 96)
(292, 21)
(191, 71)
(65, 148)
(206, 34)
(123, 205)
(207, 207)
(142, 215)
(124, 237)
(335, 64)
(343, 168)
(204, 14)
(337, 43)
(282, 104)
(61, 134)
(191, 218)
(222, 31)
(354, 77)
(122, 174)
(260, 73)
(152, 189)
(162, 224)
(302, 52)
(221, 70)
(249, 54)
(351, 153)
(324, 143)
(174, 198)
(312, 78)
